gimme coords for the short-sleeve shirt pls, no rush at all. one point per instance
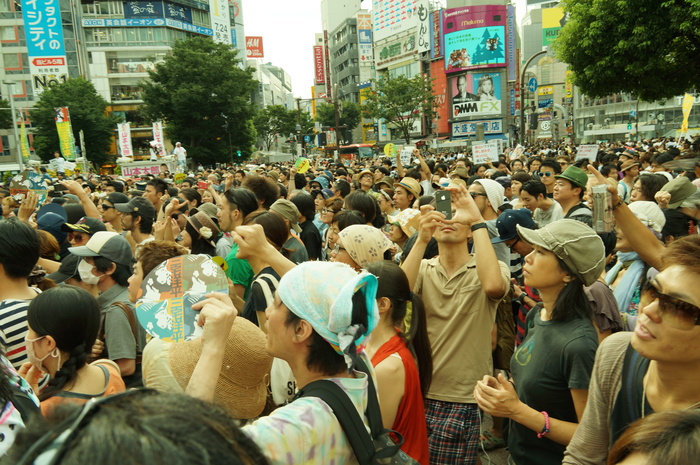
(311, 239)
(297, 250)
(555, 357)
(239, 270)
(119, 337)
(260, 296)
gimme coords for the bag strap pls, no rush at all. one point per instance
(347, 415)
(132, 322)
(265, 286)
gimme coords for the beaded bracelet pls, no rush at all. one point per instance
(545, 430)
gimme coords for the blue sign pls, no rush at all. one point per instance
(633, 114)
(307, 138)
(492, 126)
(43, 28)
(544, 103)
(143, 10)
(532, 85)
(177, 12)
(512, 102)
(148, 23)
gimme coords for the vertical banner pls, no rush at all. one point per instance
(511, 60)
(65, 133)
(220, 21)
(319, 65)
(45, 46)
(158, 138)
(125, 140)
(23, 141)
(423, 20)
(688, 101)
(364, 38)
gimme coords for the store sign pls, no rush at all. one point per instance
(395, 50)
(491, 126)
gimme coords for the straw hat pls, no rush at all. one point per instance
(242, 385)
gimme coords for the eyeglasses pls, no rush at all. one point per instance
(477, 194)
(677, 313)
(75, 237)
(510, 246)
(338, 248)
(327, 210)
(547, 174)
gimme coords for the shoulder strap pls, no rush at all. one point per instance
(130, 316)
(574, 209)
(631, 358)
(265, 286)
(347, 415)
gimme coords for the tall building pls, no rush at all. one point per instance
(274, 85)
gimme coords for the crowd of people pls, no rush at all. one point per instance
(578, 336)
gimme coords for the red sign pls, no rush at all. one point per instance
(319, 65)
(49, 61)
(254, 47)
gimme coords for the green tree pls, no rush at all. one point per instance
(87, 113)
(5, 118)
(204, 98)
(273, 120)
(349, 116)
(647, 47)
(400, 101)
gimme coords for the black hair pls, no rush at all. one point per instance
(199, 245)
(383, 170)
(121, 274)
(534, 188)
(305, 205)
(172, 191)
(191, 194)
(322, 357)
(191, 181)
(71, 316)
(367, 205)
(651, 184)
(180, 430)
(551, 163)
(159, 185)
(275, 229)
(242, 200)
(572, 302)
(431, 250)
(265, 189)
(343, 186)
(145, 224)
(347, 218)
(609, 239)
(19, 248)
(315, 193)
(677, 225)
(414, 173)
(606, 169)
(394, 285)
(299, 181)
(283, 192)
(532, 159)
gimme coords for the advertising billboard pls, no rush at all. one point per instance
(254, 47)
(553, 19)
(436, 35)
(474, 37)
(221, 21)
(319, 65)
(476, 94)
(364, 37)
(390, 17)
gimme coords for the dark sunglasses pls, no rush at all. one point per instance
(477, 194)
(75, 237)
(677, 313)
(547, 174)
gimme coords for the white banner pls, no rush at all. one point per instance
(422, 16)
(484, 153)
(407, 154)
(125, 140)
(158, 138)
(220, 21)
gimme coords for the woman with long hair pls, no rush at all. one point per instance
(552, 367)
(63, 324)
(201, 234)
(402, 360)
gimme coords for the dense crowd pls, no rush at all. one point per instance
(555, 293)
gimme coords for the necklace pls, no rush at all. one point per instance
(644, 397)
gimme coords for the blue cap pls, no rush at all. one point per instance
(507, 222)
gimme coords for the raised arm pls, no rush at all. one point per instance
(88, 205)
(430, 220)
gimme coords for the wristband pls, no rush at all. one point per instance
(521, 298)
(545, 430)
(478, 226)
(618, 204)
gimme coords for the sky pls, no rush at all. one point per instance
(288, 29)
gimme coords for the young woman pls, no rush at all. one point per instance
(201, 235)
(63, 324)
(552, 367)
(402, 360)
(333, 205)
(342, 220)
(359, 245)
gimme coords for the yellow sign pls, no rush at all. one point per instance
(688, 101)
(23, 142)
(179, 177)
(545, 90)
(302, 165)
(569, 87)
(390, 150)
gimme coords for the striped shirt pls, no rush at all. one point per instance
(13, 329)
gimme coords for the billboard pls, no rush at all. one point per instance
(390, 17)
(364, 37)
(476, 94)
(254, 47)
(474, 37)
(319, 65)
(436, 35)
(395, 50)
(423, 21)
(221, 21)
(553, 19)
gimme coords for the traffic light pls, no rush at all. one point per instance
(238, 153)
(629, 126)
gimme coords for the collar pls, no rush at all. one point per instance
(112, 294)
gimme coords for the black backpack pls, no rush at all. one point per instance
(383, 447)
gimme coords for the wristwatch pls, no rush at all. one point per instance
(479, 226)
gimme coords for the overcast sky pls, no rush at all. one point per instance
(288, 29)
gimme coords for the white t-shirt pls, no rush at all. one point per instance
(181, 153)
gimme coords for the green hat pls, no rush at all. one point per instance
(575, 175)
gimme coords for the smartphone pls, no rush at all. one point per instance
(202, 185)
(443, 203)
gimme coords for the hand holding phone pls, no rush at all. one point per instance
(443, 203)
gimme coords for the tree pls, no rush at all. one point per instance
(204, 98)
(401, 101)
(647, 47)
(5, 117)
(273, 120)
(88, 112)
(349, 116)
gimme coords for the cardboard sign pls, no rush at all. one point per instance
(302, 165)
(390, 150)
(587, 151)
(484, 153)
(406, 154)
(164, 307)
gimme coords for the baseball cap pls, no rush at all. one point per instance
(507, 222)
(107, 244)
(116, 197)
(288, 211)
(680, 189)
(86, 225)
(574, 175)
(575, 243)
(68, 269)
(139, 206)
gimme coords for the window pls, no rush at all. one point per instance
(8, 33)
(11, 60)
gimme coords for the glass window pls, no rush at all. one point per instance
(7, 33)
(11, 60)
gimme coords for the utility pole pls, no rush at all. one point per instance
(522, 94)
(337, 115)
(18, 151)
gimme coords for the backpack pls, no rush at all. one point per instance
(383, 446)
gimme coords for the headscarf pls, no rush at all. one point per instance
(365, 244)
(321, 293)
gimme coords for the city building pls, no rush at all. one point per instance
(274, 85)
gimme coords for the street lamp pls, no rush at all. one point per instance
(9, 85)
(522, 94)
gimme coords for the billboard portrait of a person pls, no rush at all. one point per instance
(486, 89)
(462, 94)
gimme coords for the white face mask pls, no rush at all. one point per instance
(85, 271)
(39, 362)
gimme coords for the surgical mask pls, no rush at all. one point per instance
(85, 271)
(39, 362)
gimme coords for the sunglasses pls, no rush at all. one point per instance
(477, 194)
(75, 237)
(677, 313)
(547, 174)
